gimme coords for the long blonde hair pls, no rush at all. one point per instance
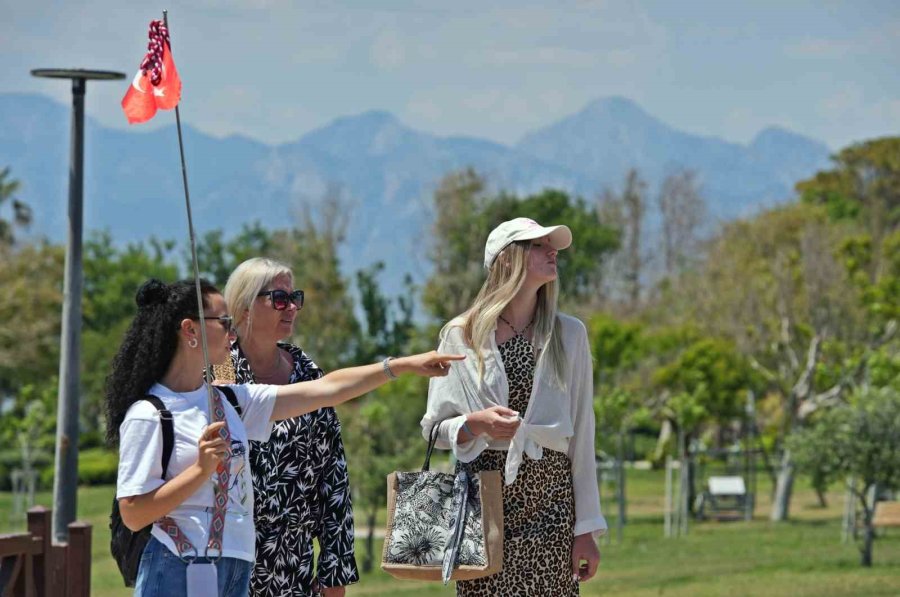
(245, 282)
(504, 280)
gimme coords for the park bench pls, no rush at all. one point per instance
(725, 497)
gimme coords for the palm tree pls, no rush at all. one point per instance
(21, 211)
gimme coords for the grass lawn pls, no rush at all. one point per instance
(801, 558)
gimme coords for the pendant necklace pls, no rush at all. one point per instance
(515, 331)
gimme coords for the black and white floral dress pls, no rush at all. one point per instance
(302, 491)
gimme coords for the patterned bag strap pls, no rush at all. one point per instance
(220, 489)
(459, 511)
(220, 492)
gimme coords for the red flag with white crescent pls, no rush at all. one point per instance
(156, 84)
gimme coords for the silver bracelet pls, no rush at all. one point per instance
(387, 368)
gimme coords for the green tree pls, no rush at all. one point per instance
(21, 212)
(27, 430)
(864, 184)
(708, 381)
(857, 440)
(617, 352)
(30, 311)
(388, 324)
(616, 347)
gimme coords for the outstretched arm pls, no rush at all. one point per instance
(342, 385)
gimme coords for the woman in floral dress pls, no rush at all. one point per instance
(300, 476)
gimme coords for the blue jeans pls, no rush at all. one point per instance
(163, 574)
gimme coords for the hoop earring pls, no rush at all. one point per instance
(193, 343)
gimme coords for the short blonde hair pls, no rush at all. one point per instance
(246, 282)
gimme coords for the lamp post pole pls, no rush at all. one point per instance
(65, 478)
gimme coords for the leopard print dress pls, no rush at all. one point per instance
(538, 509)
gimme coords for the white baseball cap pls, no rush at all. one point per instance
(523, 229)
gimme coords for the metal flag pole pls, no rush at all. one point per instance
(190, 219)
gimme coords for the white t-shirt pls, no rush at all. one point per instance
(140, 461)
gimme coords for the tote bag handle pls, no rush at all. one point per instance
(432, 440)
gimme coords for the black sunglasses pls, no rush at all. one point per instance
(226, 321)
(281, 299)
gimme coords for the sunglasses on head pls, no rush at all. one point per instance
(281, 299)
(226, 321)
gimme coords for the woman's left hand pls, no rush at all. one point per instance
(585, 557)
(428, 364)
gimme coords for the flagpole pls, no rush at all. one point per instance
(187, 202)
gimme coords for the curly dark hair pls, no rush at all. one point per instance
(149, 344)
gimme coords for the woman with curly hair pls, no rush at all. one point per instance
(161, 356)
(523, 404)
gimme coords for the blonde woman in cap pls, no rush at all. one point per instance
(522, 402)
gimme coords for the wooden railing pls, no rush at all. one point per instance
(32, 565)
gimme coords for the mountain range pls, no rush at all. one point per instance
(386, 169)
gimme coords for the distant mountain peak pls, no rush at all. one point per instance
(614, 105)
(377, 130)
(778, 138)
(610, 117)
(364, 124)
(781, 133)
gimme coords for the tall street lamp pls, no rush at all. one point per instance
(65, 479)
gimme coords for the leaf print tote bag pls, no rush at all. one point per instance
(443, 526)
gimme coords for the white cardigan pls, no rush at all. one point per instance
(558, 418)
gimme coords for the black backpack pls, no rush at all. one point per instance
(125, 545)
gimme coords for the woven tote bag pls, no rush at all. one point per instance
(443, 526)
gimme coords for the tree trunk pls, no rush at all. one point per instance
(683, 506)
(620, 485)
(820, 494)
(784, 485)
(368, 561)
(692, 485)
(868, 499)
(868, 538)
(662, 442)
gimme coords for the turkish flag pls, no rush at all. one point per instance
(143, 98)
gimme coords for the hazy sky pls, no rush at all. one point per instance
(274, 69)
